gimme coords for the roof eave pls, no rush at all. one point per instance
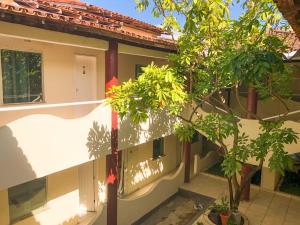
(81, 30)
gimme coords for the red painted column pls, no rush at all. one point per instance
(246, 169)
(187, 145)
(187, 161)
(111, 78)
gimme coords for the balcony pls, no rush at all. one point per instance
(41, 139)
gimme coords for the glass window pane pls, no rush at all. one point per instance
(195, 137)
(25, 198)
(138, 70)
(21, 76)
(158, 148)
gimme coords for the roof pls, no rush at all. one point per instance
(76, 17)
(289, 37)
(290, 11)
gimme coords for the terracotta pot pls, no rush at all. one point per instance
(224, 218)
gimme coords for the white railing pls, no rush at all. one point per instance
(265, 119)
(45, 106)
(283, 114)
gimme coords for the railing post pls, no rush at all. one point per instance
(111, 77)
(252, 109)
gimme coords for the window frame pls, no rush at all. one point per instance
(162, 151)
(42, 78)
(195, 138)
(138, 66)
(35, 211)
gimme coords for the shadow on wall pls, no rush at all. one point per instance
(98, 141)
(130, 134)
(72, 221)
(14, 168)
(142, 171)
(67, 112)
(14, 165)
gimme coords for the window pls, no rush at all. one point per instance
(158, 148)
(195, 137)
(25, 198)
(138, 70)
(21, 76)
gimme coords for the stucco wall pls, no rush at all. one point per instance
(141, 169)
(134, 206)
(268, 107)
(126, 65)
(38, 145)
(62, 202)
(196, 149)
(251, 128)
(269, 179)
(58, 67)
(4, 209)
(102, 190)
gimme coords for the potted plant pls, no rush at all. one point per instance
(223, 210)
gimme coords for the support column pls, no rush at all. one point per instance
(187, 161)
(187, 145)
(246, 169)
(111, 77)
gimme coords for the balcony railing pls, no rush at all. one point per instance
(64, 135)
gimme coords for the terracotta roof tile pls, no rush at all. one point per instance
(289, 37)
(74, 12)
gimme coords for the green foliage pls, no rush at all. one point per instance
(216, 53)
(184, 132)
(222, 207)
(231, 222)
(217, 127)
(155, 89)
(271, 141)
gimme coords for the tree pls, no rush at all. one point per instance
(217, 53)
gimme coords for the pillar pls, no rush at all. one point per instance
(187, 145)
(246, 169)
(111, 78)
(187, 161)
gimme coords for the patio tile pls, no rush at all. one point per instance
(264, 207)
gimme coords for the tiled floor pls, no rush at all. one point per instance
(264, 208)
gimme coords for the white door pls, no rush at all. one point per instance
(85, 78)
(87, 186)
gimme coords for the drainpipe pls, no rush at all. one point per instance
(111, 79)
(246, 169)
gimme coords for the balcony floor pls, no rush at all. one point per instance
(264, 208)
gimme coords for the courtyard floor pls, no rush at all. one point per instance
(264, 208)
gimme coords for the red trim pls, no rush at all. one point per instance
(187, 161)
(246, 169)
(251, 102)
(245, 195)
(111, 76)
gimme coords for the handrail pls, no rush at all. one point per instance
(265, 119)
(283, 114)
(44, 106)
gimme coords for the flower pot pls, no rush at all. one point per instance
(237, 217)
(224, 218)
(214, 216)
